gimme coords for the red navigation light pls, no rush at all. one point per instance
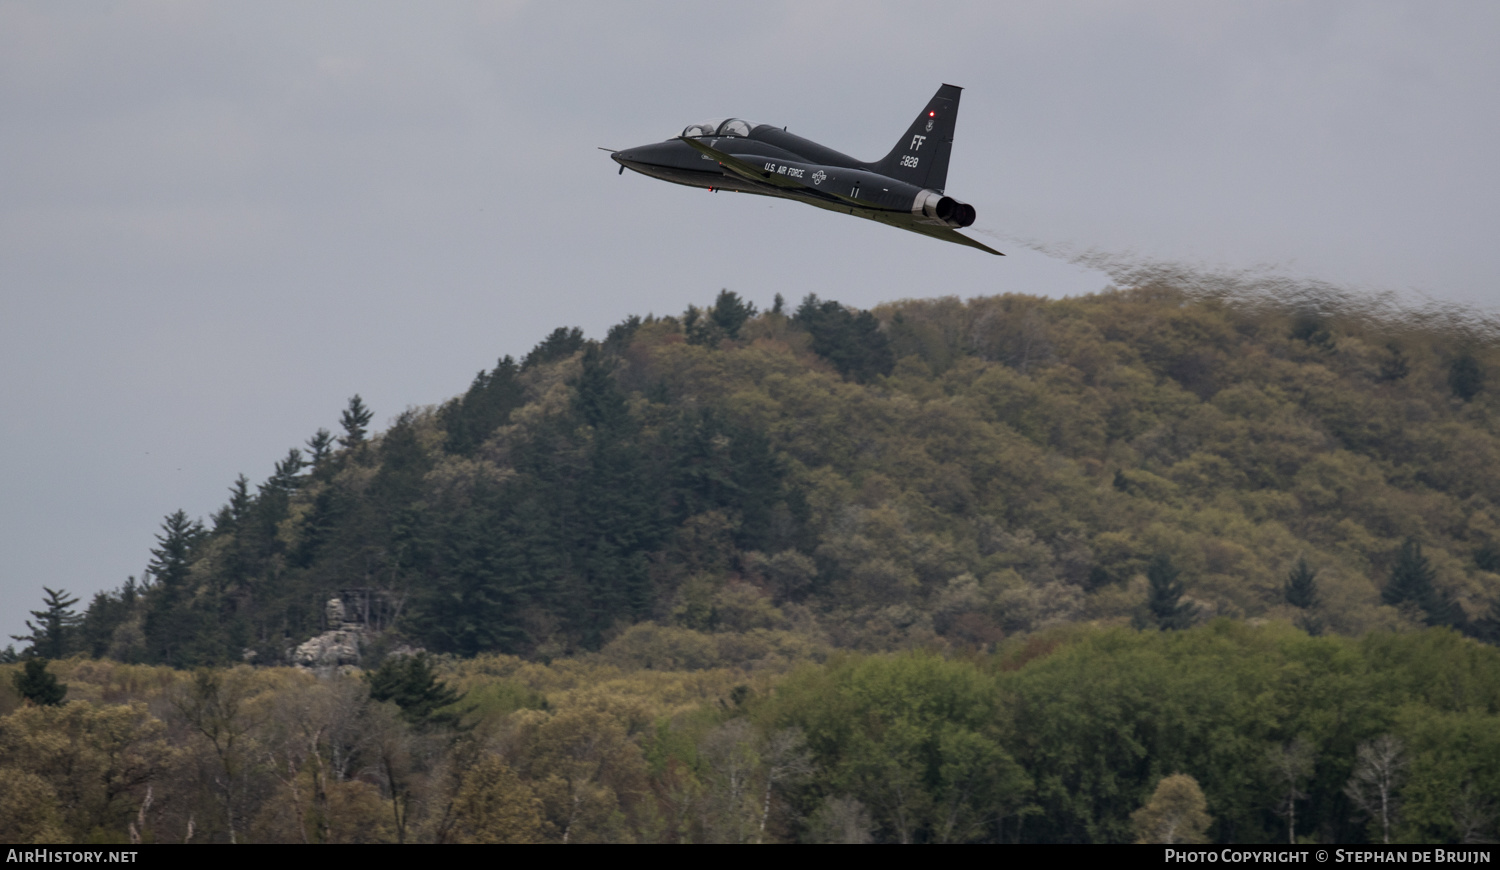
(932, 114)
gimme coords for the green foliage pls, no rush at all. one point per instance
(1165, 608)
(1395, 366)
(1411, 583)
(320, 446)
(174, 624)
(1301, 588)
(53, 636)
(1082, 734)
(1313, 329)
(1301, 591)
(852, 342)
(1100, 721)
(730, 312)
(976, 469)
(1465, 377)
(36, 684)
(410, 683)
(355, 420)
(559, 345)
(915, 739)
(487, 406)
(1176, 813)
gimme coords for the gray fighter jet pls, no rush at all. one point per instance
(905, 189)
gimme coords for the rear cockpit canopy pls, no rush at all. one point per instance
(730, 127)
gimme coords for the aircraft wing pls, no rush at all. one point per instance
(905, 221)
(740, 167)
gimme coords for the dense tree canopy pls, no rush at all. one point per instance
(824, 574)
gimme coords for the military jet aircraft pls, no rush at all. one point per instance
(904, 189)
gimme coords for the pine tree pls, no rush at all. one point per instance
(1301, 586)
(1301, 591)
(1465, 378)
(1487, 558)
(38, 685)
(52, 637)
(105, 614)
(320, 447)
(486, 406)
(409, 683)
(615, 509)
(730, 312)
(1394, 367)
(355, 420)
(285, 475)
(1313, 329)
(853, 343)
(1164, 596)
(1411, 583)
(561, 344)
(170, 624)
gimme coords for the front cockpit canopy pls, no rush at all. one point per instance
(729, 127)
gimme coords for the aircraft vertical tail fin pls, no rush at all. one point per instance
(921, 156)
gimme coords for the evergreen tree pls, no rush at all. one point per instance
(561, 344)
(38, 685)
(615, 508)
(1301, 588)
(320, 446)
(234, 513)
(487, 406)
(1301, 591)
(1394, 367)
(1486, 628)
(1164, 604)
(52, 636)
(355, 420)
(1411, 583)
(477, 576)
(716, 465)
(1313, 329)
(699, 327)
(106, 613)
(730, 312)
(285, 476)
(170, 624)
(853, 343)
(1487, 558)
(409, 683)
(619, 335)
(1465, 378)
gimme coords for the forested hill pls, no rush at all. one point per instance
(932, 473)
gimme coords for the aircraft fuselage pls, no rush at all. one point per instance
(905, 189)
(675, 161)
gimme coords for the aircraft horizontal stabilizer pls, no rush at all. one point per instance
(952, 235)
(947, 234)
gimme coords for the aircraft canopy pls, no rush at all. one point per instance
(730, 127)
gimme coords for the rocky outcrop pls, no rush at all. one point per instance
(334, 651)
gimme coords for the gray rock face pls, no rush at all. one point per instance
(334, 651)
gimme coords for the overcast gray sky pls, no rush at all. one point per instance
(218, 221)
